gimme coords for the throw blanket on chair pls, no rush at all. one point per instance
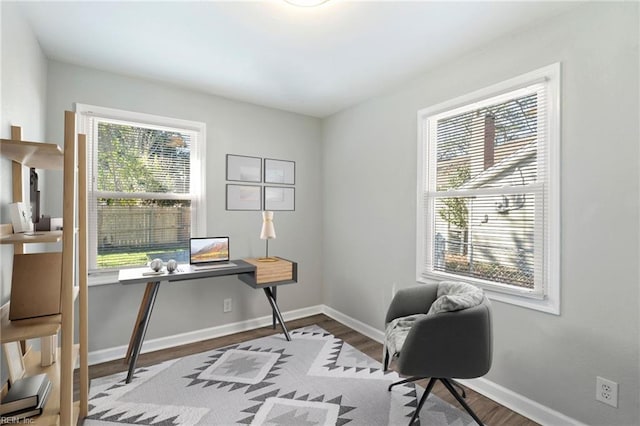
(455, 296)
(396, 334)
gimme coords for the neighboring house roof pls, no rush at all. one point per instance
(522, 155)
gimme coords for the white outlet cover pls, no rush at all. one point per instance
(607, 391)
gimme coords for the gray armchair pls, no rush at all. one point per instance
(442, 346)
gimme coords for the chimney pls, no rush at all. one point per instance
(482, 142)
(489, 140)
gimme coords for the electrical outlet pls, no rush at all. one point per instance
(227, 305)
(607, 391)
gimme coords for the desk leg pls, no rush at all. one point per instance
(274, 292)
(134, 332)
(140, 329)
(276, 311)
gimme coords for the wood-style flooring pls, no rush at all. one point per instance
(489, 411)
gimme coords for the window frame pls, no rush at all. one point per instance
(547, 228)
(197, 170)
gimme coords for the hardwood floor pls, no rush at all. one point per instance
(489, 411)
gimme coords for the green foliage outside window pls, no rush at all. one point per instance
(455, 211)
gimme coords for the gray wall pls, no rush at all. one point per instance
(232, 128)
(370, 208)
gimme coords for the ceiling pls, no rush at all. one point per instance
(313, 61)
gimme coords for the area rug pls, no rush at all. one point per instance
(315, 379)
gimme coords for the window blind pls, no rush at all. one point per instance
(484, 191)
(141, 192)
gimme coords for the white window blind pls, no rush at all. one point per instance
(144, 190)
(484, 189)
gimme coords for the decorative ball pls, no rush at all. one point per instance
(156, 265)
(172, 265)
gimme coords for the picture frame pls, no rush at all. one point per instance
(281, 172)
(243, 168)
(14, 360)
(243, 197)
(20, 217)
(279, 198)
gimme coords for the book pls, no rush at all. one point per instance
(17, 416)
(25, 393)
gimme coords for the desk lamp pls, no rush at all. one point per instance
(268, 233)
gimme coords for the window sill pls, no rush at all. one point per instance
(549, 304)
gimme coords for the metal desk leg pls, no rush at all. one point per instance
(141, 327)
(276, 311)
(274, 291)
(134, 332)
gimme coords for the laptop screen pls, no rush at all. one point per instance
(208, 250)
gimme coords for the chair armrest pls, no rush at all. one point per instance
(449, 344)
(412, 300)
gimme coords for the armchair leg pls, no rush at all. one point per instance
(450, 388)
(459, 387)
(425, 395)
(410, 379)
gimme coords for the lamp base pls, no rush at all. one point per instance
(267, 258)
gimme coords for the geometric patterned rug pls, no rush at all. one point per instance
(315, 379)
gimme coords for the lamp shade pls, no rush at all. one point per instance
(268, 231)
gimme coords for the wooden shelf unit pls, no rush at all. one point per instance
(40, 155)
(31, 328)
(32, 237)
(60, 408)
(51, 412)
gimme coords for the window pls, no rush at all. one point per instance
(146, 183)
(488, 190)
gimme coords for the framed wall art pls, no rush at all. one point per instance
(280, 172)
(278, 198)
(244, 197)
(241, 168)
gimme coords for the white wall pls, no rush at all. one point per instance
(232, 128)
(23, 92)
(370, 208)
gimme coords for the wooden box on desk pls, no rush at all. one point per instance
(274, 271)
(35, 285)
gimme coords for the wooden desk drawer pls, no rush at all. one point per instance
(270, 272)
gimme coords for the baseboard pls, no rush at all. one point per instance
(359, 326)
(104, 355)
(519, 403)
(512, 400)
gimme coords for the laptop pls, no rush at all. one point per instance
(209, 253)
